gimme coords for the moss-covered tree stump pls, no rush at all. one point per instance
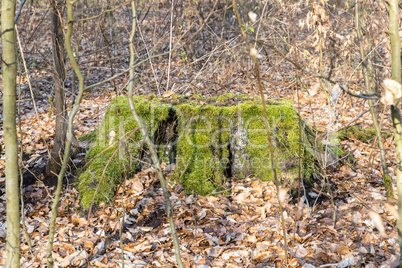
(209, 139)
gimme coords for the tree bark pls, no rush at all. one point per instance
(70, 132)
(395, 113)
(10, 132)
(56, 155)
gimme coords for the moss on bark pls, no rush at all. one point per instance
(209, 140)
(117, 145)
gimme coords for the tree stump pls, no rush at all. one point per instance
(209, 140)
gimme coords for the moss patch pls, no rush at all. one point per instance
(202, 147)
(209, 139)
(114, 152)
(364, 135)
(91, 137)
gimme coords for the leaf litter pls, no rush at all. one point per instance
(237, 230)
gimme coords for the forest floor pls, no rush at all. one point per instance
(239, 230)
(243, 229)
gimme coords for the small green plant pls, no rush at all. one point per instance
(183, 55)
(248, 28)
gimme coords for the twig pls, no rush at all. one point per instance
(373, 96)
(31, 90)
(362, 201)
(293, 253)
(150, 144)
(106, 11)
(70, 133)
(264, 109)
(19, 12)
(150, 61)
(203, 24)
(132, 66)
(355, 119)
(170, 47)
(21, 164)
(271, 149)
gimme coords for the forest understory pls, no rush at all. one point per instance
(345, 220)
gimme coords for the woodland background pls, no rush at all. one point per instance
(297, 41)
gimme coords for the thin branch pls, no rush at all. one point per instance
(170, 46)
(150, 144)
(42, 134)
(355, 119)
(204, 23)
(19, 12)
(372, 95)
(264, 109)
(127, 70)
(70, 133)
(104, 12)
(293, 254)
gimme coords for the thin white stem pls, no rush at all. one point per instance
(150, 61)
(170, 46)
(31, 91)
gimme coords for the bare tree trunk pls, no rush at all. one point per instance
(10, 132)
(70, 132)
(54, 164)
(366, 70)
(395, 113)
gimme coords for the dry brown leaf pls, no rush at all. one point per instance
(99, 264)
(168, 93)
(75, 258)
(262, 252)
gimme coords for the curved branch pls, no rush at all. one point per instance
(70, 133)
(106, 11)
(371, 95)
(150, 144)
(19, 12)
(128, 69)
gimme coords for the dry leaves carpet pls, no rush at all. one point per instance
(240, 230)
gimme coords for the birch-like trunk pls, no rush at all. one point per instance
(9, 66)
(395, 112)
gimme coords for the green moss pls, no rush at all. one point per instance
(204, 136)
(88, 137)
(115, 148)
(204, 130)
(202, 147)
(388, 187)
(364, 135)
(284, 129)
(197, 96)
(225, 96)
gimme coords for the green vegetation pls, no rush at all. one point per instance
(354, 132)
(113, 154)
(202, 147)
(203, 132)
(91, 137)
